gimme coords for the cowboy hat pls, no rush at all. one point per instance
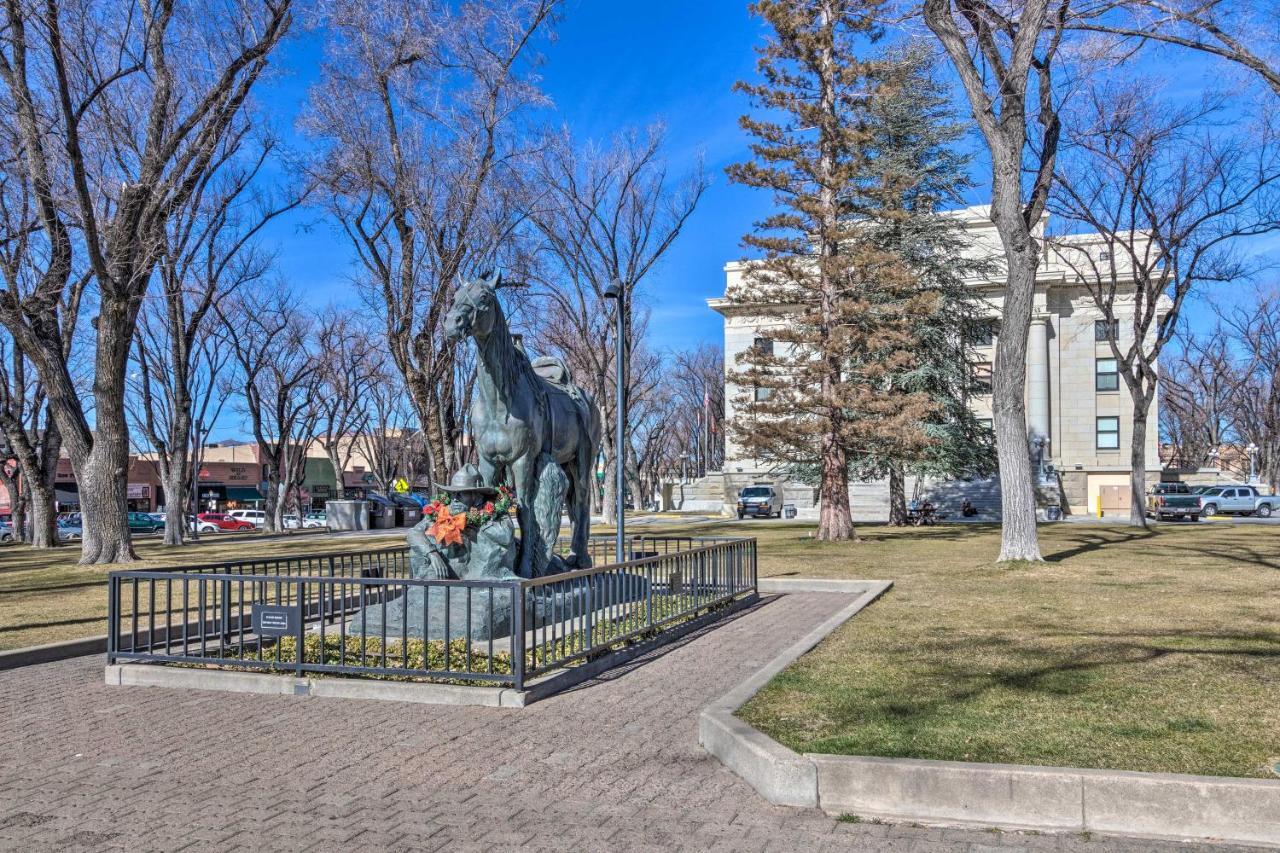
(468, 480)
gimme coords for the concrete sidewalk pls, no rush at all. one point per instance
(612, 765)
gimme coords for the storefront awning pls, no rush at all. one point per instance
(242, 493)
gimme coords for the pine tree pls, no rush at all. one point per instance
(853, 306)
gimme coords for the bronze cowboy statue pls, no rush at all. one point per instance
(532, 429)
(487, 552)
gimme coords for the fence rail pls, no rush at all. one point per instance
(361, 613)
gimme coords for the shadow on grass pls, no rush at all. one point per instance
(1069, 676)
(27, 626)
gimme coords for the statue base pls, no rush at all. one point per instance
(439, 611)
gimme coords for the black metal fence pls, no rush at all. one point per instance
(363, 614)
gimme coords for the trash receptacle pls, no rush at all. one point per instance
(407, 516)
(347, 515)
(1053, 513)
(381, 517)
(788, 510)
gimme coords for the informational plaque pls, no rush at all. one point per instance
(275, 620)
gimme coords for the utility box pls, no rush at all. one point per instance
(788, 510)
(347, 515)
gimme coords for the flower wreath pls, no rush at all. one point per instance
(447, 528)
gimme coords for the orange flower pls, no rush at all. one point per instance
(448, 527)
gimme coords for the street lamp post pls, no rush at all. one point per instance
(1252, 450)
(615, 292)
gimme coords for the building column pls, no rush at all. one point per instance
(1038, 380)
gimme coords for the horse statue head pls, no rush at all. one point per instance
(475, 308)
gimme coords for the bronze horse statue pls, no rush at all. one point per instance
(530, 431)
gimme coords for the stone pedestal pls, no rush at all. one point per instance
(422, 612)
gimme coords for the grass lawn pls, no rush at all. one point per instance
(1131, 650)
(46, 597)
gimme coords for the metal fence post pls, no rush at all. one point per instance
(302, 630)
(225, 612)
(517, 634)
(113, 590)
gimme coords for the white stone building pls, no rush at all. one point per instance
(1077, 405)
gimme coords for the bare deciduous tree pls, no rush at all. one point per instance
(1242, 32)
(118, 109)
(1005, 55)
(1255, 410)
(605, 215)
(1167, 194)
(419, 112)
(209, 252)
(351, 371)
(277, 383)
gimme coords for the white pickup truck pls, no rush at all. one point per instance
(1239, 500)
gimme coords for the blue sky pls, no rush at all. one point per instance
(610, 67)
(613, 66)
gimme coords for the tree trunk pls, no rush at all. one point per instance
(16, 512)
(835, 522)
(44, 516)
(1018, 538)
(1138, 467)
(104, 503)
(175, 500)
(44, 496)
(897, 495)
(610, 500)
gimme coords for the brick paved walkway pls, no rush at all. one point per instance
(612, 765)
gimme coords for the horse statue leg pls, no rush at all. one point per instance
(580, 485)
(525, 472)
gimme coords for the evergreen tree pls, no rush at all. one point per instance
(912, 134)
(853, 303)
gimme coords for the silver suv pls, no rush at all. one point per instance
(760, 500)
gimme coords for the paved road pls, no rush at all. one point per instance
(613, 765)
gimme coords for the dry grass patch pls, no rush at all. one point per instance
(46, 597)
(1131, 650)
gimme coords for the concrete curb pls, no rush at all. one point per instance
(282, 684)
(780, 775)
(147, 675)
(1152, 805)
(31, 655)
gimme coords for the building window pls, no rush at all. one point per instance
(1106, 330)
(762, 394)
(986, 423)
(982, 332)
(1105, 375)
(764, 346)
(1108, 432)
(1104, 256)
(981, 374)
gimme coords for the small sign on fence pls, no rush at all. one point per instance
(275, 620)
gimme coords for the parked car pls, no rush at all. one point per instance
(315, 519)
(73, 518)
(68, 532)
(1173, 500)
(201, 526)
(225, 522)
(291, 521)
(142, 522)
(1242, 500)
(256, 517)
(760, 500)
(6, 531)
